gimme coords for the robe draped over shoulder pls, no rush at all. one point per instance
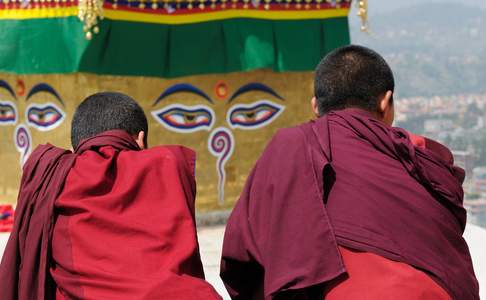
(345, 179)
(115, 223)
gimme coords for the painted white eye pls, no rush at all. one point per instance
(254, 115)
(185, 119)
(8, 113)
(44, 117)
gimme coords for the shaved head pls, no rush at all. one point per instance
(107, 111)
(352, 76)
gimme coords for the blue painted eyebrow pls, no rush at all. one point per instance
(4, 85)
(44, 87)
(182, 88)
(254, 86)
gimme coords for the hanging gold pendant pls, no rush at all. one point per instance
(363, 14)
(89, 12)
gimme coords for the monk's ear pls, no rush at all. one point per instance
(315, 107)
(386, 108)
(140, 139)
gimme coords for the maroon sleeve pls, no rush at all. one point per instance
(439, 151)
(23, 270)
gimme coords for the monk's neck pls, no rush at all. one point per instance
(364, 113)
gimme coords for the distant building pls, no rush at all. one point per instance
(436, 126)
(465, 160)
(479, 180)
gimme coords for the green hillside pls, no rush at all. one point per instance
(433, 48)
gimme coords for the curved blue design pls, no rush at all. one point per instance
(23, 142)
(254, 86)
(182, 88)
(6, 86)
(221, 144)
(44, 87)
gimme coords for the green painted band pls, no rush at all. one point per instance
(42, 46)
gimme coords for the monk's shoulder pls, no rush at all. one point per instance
(291, 135)
(42, 153)
(178, 155)
(43, 148)
(286, 145)
(173, 151)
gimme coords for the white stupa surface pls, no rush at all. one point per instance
(211, 239)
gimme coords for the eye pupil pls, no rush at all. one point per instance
(190, 117)
(250, 115)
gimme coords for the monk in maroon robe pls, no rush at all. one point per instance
(112, 220)
(348, 207)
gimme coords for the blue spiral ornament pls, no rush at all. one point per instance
(221, 145)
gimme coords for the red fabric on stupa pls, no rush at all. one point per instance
(6, 218)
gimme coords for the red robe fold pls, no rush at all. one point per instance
(345, 179)
(371, 277)
(122, 227)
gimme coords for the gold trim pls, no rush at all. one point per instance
(122, 15)
(38, 13)
(226, 14)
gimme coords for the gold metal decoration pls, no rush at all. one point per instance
(363, 14)
(89, 12)
(267, 4)
(165, 4)
(307, 4)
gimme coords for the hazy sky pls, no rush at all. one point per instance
(377, 7)
(382, 6)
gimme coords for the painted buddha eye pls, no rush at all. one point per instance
(254, 115)
(185, 119)
(44, 117)
(8, 113)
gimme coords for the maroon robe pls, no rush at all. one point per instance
(345, 179)
(108, 222)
